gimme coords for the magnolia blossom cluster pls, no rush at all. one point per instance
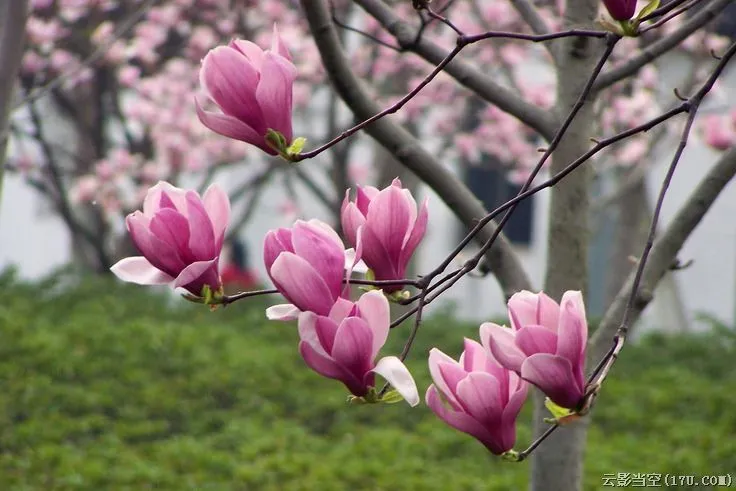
(180, 236)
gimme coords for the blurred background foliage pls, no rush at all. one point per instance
(115, 387)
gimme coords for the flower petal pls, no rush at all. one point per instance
(282, 312)
(231, 82)
(319, 363)
(352, 346)
(274, 93)
(202, 236)
(374, 309)
(138, 270)
(198, 274)
(480, 395)
(533, 339)
(553, 375)
(322, 253)
(501, 342)
(217, 205)
(396, 374)
(301, 284)
(460, 421)
(232, 127)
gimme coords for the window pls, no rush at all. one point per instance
(489, 184)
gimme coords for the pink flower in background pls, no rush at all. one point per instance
(719, 132)
(253, 89)
(307, 265)
(386, 227)
(180, 236)
(546, 344)
(343, 345)
(621, 9)
(476, 396)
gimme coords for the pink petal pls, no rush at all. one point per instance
(572, 336)
(160, 254)
(341, 309)
(474, 357)
(480, 395)
(389, 219)
(363, 197)
(276, 242)
(151, 203)
(416, 236)
(553, 375)
(138, 270)
(301, 284)
(282, 312)
(250, 50)
(536, 339)
(437, 358)
(461, 421)
(198, 274)
(396, 374)
(172, 227)
(274, 93)
(326, 330)
(217, 205)
(202, 236)
(374, 309)
(277, 44)
(548, 312)
(320, 364)
(324, 255)
(307, 327)
(523, 309)
(232, 127)
(501, 342)
(351, 219)
(231, 82)
(376, 255)
(352, 347)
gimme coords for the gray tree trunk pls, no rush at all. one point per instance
(12, 33)
(557, 465)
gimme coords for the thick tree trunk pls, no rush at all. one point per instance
(12, 30)
(557, 465)
(633, 215)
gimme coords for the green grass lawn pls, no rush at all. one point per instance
(114, 387)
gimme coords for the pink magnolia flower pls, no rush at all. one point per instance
(252, 87)
(343, 346)
(180, 236)
(621, 9)
(307, 265)
(546, 344)
(478, 396)
(386, 227)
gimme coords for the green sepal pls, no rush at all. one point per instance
(374, 397)
(277, 141)
(648, 9)
(629, 28)
(398, 296)
(391, 397)
(510, 456)
(296, 146)
(561, 415)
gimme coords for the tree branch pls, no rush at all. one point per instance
(12, 30)
(655, 50)
(665, 251)
(502, 260)
(465, 74)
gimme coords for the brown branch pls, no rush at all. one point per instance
(463, 72)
